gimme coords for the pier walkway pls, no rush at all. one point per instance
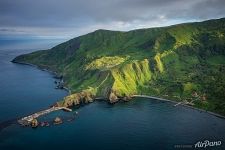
(27, 120)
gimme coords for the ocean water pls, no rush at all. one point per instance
(18, 43)
(140, 124)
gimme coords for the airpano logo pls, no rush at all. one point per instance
(207, 143)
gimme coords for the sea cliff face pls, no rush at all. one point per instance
(180, 62)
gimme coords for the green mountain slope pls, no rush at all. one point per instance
(184, 62)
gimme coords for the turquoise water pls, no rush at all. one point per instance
(138, 124)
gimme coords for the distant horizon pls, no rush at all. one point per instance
(26, 44)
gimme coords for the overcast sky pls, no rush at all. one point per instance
(71, 18)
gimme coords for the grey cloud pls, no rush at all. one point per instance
(77, 15)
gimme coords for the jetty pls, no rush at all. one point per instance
(28, 119)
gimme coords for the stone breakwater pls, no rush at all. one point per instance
(28, 119)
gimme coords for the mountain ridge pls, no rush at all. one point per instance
(183, 62)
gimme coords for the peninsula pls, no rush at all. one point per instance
(184, 62)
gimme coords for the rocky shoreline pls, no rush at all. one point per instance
(86, 97)
(55, 74)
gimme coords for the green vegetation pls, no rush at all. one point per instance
(179, 62)
(105, 63)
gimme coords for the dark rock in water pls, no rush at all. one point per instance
(47, 124)
(59, 87)
(59, 84)
(58, 77)
(44, 124)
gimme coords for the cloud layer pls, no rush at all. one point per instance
(69, 18)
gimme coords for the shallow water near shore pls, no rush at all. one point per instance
(139, 124)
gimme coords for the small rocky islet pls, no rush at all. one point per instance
(56, 121)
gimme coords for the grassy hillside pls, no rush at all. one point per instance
(184, 62)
